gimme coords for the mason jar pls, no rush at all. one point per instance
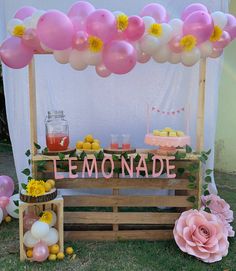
(57, 131)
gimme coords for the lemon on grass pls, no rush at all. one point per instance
(87, 146)
(79, 145)
(69, 250)
(60, 256)
(29, 253)
(88, 138)
(47, 186)
(52, 182)
(95, 146)
(54, 249)
(8, 219)
(52, 257)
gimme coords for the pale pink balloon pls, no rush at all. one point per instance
(174, 44)
(216, 53)
(55, 30)
(40, 252)
(200, 25)
(4, 201)
(102, 71)
(119, 57)
(6, 185)
(231, 26)
(15, 55)
(223, 41)
(143, 57)
(192, 8)
(80, 40)
(31, 40)
(29, 220)
(157, 11)
(102, 23)
(81, 9)
(135, 29)
(24, 12)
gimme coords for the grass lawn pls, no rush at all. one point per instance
(117, 256)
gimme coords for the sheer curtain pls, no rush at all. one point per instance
(113, 105)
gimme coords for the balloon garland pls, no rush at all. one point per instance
(115, 42)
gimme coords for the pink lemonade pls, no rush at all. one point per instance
(114, 146)
(126, 146)
(57, 142)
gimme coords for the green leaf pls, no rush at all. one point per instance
(26, 171)
(192, 178)
(16, 211)
(192, 185)
(188, 149)
(30, 178)
(28, 153)
(209, 171)
(37, 146)
(82, 155)
(205, 156)
(125, 155)
(191, 199)
(45, 150)
(61, 156)
(202, 159)
(137, 158)
(205, 186)
(180, 155)
(180, 171)
(115, 157)
(207, 210)
(100, 155)
(24, 186)
(16, 202)
(29, 162)
(208, 152)
(73, 154)
(206, 193)
(150, 156)
(208, 202)
(208, 179)
(117, 170)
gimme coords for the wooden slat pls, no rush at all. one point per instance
(150, 235)
(120, 218)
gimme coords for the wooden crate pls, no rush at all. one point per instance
(117, 216)
(56, 205)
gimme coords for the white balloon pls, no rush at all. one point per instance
(117, 13)
(1, 215)
(174, 58)
(35, 18)
(220, 19)
(54, 218)
(177, 26)
(39, 229)
(91, 58)
(28, 22)
(190, 58)
(149, 44)
(77, 60)
(29, 240)
(62, 56)
(12, 207)
(166, 33)
(216, 53)
(206, 49)
(12, 24)
(162, 55)
(148, 21)
(51, 238)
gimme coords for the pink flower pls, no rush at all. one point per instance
(202, 235)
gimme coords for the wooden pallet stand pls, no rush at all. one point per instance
(56, 205)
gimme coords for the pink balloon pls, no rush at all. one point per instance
(200, 25)
(231, 26)
(40, 252)
(55, 30)
(216, 53)
(31, 40)
(143, 57)
(102, 71)
(157, 11)
(81, 9)
(4, 201)
(6, 186)
(24, 12)
(192, 8)
(174, 44)
(80, 40)
(29, 220)
(224, 40)
(119, 57)
(15, 55)
(135, 29)
(5, 213)
(102, 23)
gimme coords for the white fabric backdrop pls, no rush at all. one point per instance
(105, 106)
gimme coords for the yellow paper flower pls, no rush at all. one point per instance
(188, 43)
(155, 30)
(122, 22)
(46, 217)
(35, 188)
(95, 44)
(18, 31)
(217, 33)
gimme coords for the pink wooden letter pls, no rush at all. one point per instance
(57, 176)
(110, 175)
(124, 165)
(154, 173)
(142, 166)
(90, 170)
(71, 168)
(170, 167)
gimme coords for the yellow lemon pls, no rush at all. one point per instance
(54, 249)
(60, 256)
(52, 182)
(29, 253)
(96, 141)
(79, 145)
(69, 250)
(89, 138)
(87, 146)
(95, 146)
(47, 186)
(52, 257)
(8, 219)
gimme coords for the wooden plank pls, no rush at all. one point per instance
(115, 192)
(150, 235)
(120, 218)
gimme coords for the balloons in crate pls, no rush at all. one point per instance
(135, 29)
(13, 206)
(39, 229)
(55, 30)
(192, 8)
(102, 71)
(40, 252)
(157, 11)
(231, 26)
(6, 186)
(24, 12)
(51, 238)
(29, 240)
(29, 220)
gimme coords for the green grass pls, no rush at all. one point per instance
(123, 255)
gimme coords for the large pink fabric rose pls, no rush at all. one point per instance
(202, 235)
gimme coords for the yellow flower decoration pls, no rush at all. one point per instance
(188, 43)
(35, 188)
(217, 33)
(18, 31)
(155, 30)
(95, 44)
(46, 217)
(122, 22)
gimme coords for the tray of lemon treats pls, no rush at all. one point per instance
(88, 145)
